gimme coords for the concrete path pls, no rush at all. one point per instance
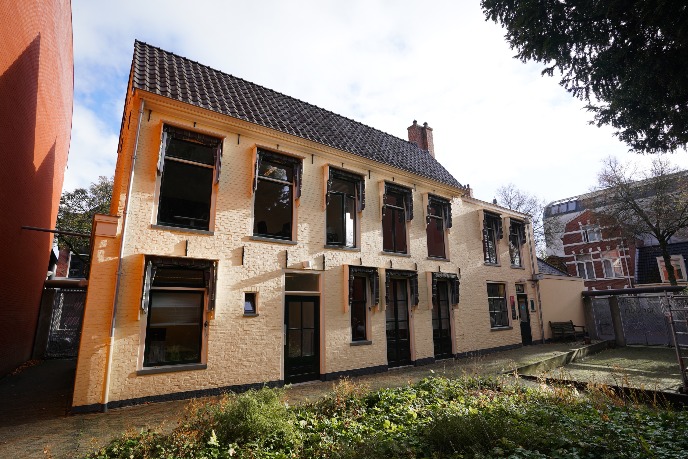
(33, 423)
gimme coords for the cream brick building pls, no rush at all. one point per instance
(256, 239)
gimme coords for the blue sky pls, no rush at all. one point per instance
(384, 63)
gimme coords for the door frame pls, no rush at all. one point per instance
(411, 330)
(318, 333)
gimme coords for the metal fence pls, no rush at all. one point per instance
(602, 319)
(65, 323)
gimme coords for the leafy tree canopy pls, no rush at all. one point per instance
(77, 209)
(627, 58)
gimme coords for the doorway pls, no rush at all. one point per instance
(397, 317)
(524, 315)
(441, 322)
(302, 341)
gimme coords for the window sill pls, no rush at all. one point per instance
(493, 264)
(395, 254)
(438, 259)
(364, 342)
(183, 230)
(517, 267)
(494, 329)
(270, 239)
(171, 369)
(251, 314)
(341, 247)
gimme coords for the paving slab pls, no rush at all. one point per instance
(34, 423)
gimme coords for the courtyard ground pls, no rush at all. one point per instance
(33, 403)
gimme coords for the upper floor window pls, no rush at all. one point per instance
(492, 232)
(679, 265)
(345, 199)
(397, 209)
(611, 264)
(585, 266)
(188, 163)
(438, 220)
(277, 183)
(591, 233)
(517, 237)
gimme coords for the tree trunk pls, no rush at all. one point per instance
(671, 274)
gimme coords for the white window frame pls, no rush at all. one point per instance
(608, 263)
(585, 266)
(677, 262)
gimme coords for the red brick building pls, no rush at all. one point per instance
(36, 96)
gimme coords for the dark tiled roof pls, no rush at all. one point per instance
(166, 74)
(546, 268)
(647, 267)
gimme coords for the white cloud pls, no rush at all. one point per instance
(93, 150)
(383, 63)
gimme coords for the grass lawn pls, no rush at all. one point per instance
(433, 418)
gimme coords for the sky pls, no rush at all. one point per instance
(384, 63)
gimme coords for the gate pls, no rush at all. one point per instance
(65, 323)
(602, 319)
(644, 320)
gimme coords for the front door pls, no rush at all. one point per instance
(302, 343)
(398, 335)
(441, 323)
(526, 336)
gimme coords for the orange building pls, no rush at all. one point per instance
(36, 97)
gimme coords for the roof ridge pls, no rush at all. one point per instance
(277, 92)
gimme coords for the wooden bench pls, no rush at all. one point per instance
(565, 330)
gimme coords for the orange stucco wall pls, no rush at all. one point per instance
(36, 95)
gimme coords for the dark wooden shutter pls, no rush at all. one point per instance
(218, 161)
(147, 281)
(164, 143)
(298, 173)
(376, 287)
(455, 290)
(414, 289)
(256, 171)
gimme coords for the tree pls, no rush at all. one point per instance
(628, 59)
(645, 203)
(512, 198)
(76, 211)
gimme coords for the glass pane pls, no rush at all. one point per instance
(273, 210)
(388, 230)
(175, 308)
(301, 282)
(401, 290)
(435, 236)
(400, 232)
(185, 194)
(349, 220)
(249, 303)
(294, 343)
(358, 321)
(308, 348)
(343, 186)
(359, 293)
(276, 171)
(308, 314)
(179, 277)
(190, 151)
(335, 223)
(294, 319)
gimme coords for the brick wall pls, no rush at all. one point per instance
(36, 90)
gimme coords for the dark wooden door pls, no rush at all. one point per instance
(398, 334)
(526, 334)
(302, 344)
(441, 323)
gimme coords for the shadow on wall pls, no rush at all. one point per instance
(26, 197)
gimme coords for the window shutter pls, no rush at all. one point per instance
(500, 229)
(434, 289)
(455, 290)
(360, 199)
(376, 287)
(388, 288)
(486, 247)
(255, 171)
(522, 233)
(351, 288)
(408, 200)
(211, 283)
(298, 172)
(414, 289)
(447, 215)
(164, 143)
(218, 161)
(147, 281)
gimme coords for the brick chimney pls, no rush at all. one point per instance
(422, 137)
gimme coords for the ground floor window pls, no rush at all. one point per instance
(359, 303)
(176, 294)
(496, 299)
